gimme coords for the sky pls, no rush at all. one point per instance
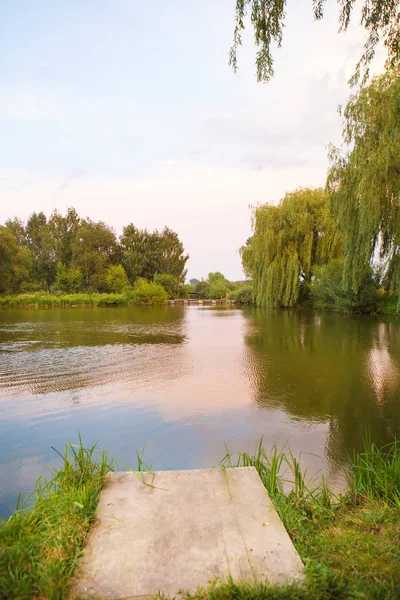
(129, 112)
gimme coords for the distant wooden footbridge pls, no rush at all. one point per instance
(200, 301)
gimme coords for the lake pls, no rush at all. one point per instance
(183, 380)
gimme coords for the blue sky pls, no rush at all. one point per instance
(129, 112)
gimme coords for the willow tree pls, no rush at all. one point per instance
(288, 241)
(380, 19)
(364, 180)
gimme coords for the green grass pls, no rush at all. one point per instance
(350, 544)
(376, 473)
(40, 544)
(46, 300)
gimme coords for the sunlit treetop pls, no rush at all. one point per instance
(380, 19)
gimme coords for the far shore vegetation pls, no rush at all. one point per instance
(349, 543)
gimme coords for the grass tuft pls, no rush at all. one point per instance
(40, 544)
(375, 473)
(350, 543)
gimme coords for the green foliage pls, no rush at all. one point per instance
(116, 279)
(43, 300)
(242, 294)
(204, 289)
(288, 242)
(218, 290)
(147, 293)
(388, 303)
(32, 254)
(364, 182)
(216, 287)
(68, 279)
(41, 246)
(15, 262)
(64, 231)
(380, 18)
(328, 291)
(171, 285)
(93, 251)
(40, 545)
(148, 254)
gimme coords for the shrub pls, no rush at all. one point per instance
(204, 289)
(68, 279)
(171, 285)
(327, 290)
(116, 279)
(242, 295)
(218, 290)
(147, 293)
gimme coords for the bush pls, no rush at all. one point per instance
(171, 285)
(147, 293)
(218, 290)
(327, 290)
(68, 279)
(116, 279)
(242, 295)
(388, 303)
(204, 289)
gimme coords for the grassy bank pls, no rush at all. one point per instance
(350, 544)
(81, 300)
(43, 300)
(39, 546)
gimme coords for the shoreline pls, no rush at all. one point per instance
(44, 300)
(349, 543)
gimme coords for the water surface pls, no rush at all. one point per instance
(184, 380)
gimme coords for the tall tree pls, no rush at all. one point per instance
(380, 19)
(17, 228)
(148, 254)
(94, 249)
(63, 230)
(364, 180)
(15, 262)
(289, 240)
(41, 245)
(172, 259)
(138, 248)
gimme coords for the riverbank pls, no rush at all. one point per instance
(387, 306)
(350, 544)
(43, 300)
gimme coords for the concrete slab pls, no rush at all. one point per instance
(177, 530)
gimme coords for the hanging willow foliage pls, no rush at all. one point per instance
(379, 18)
(365, 182)
(289, 240)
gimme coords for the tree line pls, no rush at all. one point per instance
(69, 253)
(338, 246)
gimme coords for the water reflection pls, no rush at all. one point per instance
(382, 369)
(338, 370)
(186, 380)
